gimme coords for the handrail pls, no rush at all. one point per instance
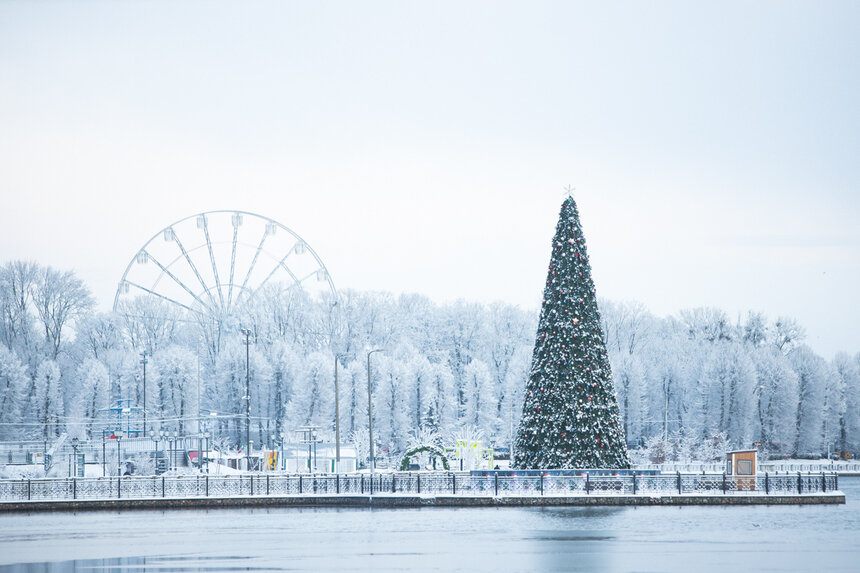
(416, 483)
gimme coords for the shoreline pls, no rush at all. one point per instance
(413, 501)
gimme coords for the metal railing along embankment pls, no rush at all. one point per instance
(456, 484)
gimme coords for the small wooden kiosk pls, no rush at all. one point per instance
(741, 466)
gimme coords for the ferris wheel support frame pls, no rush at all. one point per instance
(169, 233)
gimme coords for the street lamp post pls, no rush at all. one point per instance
(170, 441)
(283, 452)
(144, 361)
(175, 447)
(370, 408)
(118, 435)
(315, 450)
(310, 451)
(154, 436)
(206, 455)
(511, 458)
(75, 450)
(247, 334)
(336, 417)
(826, 433)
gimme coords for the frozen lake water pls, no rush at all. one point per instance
(642, 539)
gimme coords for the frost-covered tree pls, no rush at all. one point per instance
(570, 414)
(852, 408)
(93, 382)
(844, 401)
(225, 394)
(462, 333)
(47, 401)
(13, 382)
(353, 393)
(390, 395)
(755, 330)
(313, 401)
(776, 401)
(481, 395)
(285, 365)
(679, 379)
(174, 371)
(59, 298)
(442, 412)
(508, 362)
(418, 389)
(707, 324)
(812, 373)
(728, 382)
(360, 440)
(17, 323)
(149, 323)
(787, 334)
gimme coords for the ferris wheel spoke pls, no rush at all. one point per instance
(214, 266)
(176, 279)
(163, 297)
(232, 267)
(304, 278)
(281, 265)
(253, 264)
(244, 275)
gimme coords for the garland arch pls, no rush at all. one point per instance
(404, 464)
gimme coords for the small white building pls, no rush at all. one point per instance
(317, 458)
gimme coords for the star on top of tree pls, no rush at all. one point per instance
(569, 191)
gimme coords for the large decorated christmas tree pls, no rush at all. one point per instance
(570, 413)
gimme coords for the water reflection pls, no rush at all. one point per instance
(179, 563)
(776, 538)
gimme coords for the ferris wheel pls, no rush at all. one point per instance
(212, 263)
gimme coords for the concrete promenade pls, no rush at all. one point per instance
(412, 501)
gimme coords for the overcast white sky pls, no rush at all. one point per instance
(423, 146)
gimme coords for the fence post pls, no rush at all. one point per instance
(587, 484)
(371, 484)
(454, 482)
(497, 484)
(118, 487)
(634, 483)
(361, 480)
(823, 484)
(162, 486)
(799, 484)
(392, 483)
(75, 488)
(679, 482)
(207, 485)
(300, 483)
(541, 482)
(836, 480)
(337, 483)
(724, 483)
(766, 484)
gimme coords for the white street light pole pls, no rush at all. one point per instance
(370, 408)
(144, 361)
(247, 334)
(336, 417)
